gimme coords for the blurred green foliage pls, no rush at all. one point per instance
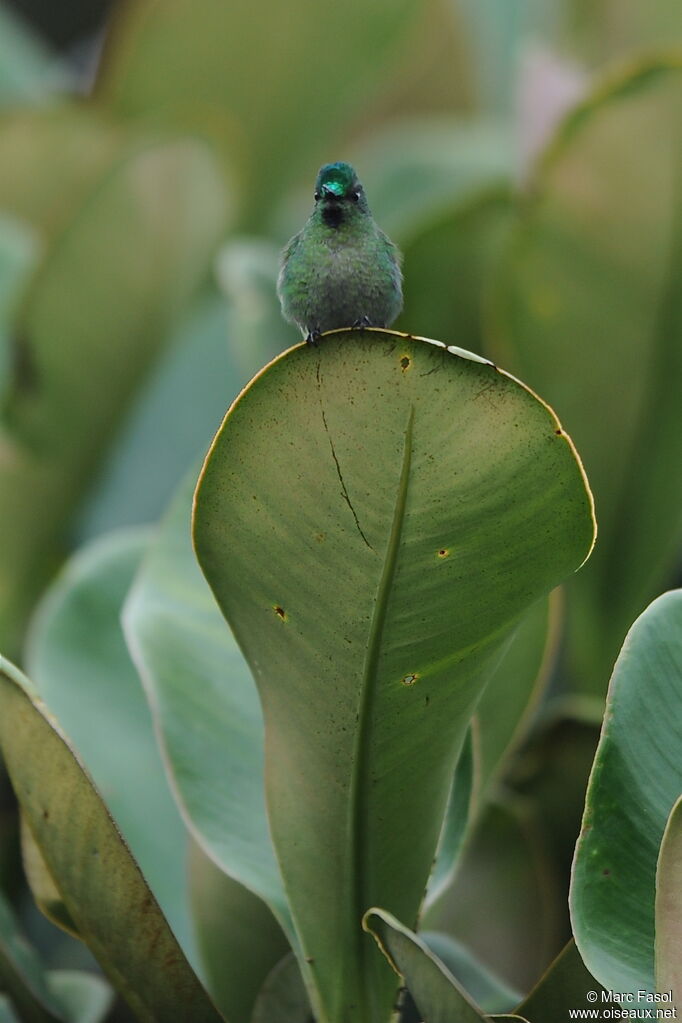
(527, 157)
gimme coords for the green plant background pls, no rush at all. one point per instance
(526, 156)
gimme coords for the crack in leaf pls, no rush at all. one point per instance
(344, 490)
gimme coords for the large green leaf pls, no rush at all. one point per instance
(194, 671)
(669, 908)
(373, 517)
(435, 991)
(265, 74)
(78, 660)
(635, 781)
(97, 313)
(100, 883)
(588, 311)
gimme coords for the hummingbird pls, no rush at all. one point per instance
(341, 270)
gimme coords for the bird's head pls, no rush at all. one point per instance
(338, 193)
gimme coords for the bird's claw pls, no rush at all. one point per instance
(312, 337)
(364, 321)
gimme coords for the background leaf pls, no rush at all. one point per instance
(507, 876)
(435, 991)
(100, 883)
(245, 85)
(636, 779)
(482, 984)
(668, 908)
(79, 662)
(86, 998)
(21, 974)
(588, 311)
(283, 997)
(54, 433)
(562, 988)
(28, 72)
(194, 671)
(240, 942)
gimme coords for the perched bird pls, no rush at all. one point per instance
(341, 270)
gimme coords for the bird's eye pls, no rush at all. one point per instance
(317, 196)
(355, 196)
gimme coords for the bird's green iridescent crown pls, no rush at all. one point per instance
(337, 178)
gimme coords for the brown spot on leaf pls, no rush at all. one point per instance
(409, 680)
(405, 362)
(280, 612)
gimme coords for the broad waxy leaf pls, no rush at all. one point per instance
(160, 210)
(100, 883)
(588, 310)
(373, 517)
(636, 779)
(434, 990)
(193, 670)
(77, 658)
(669, 908)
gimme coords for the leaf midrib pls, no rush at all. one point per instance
(361, 758)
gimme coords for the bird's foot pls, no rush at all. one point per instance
(364, 321)
(312, 337)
